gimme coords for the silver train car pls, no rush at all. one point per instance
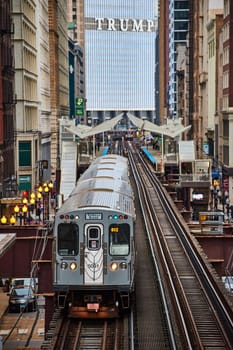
(94, 247)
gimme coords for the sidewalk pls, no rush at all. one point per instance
(3, 301)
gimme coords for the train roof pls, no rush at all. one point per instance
(112, 166)
(105, 184)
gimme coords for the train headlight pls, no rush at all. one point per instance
(64, 265)
(123, 265)
(73, 266)
(114, 266)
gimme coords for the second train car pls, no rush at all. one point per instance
(94, 242)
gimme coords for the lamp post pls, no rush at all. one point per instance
(12, 220)
(44, 193)
(16, 211)
(25, 210)
(31, 205)
(38, 204)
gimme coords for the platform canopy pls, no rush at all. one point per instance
(172, 129)
(84, 131)
(79, 130)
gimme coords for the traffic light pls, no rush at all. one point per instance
(25, 194)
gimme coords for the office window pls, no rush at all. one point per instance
(25, 153)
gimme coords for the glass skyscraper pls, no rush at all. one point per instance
(178, 29)
(120, 56)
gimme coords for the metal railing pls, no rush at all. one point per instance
(189, 177)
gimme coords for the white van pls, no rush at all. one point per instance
(228, 282)
(25, 282)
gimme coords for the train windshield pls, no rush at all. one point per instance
(67, 239)
(119, 239)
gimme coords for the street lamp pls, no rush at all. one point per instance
(31, 203)
(25, 200)
(46, 202)
(44, 193)
(38, 205)
(16, 209)
(25, 210)
(12, 220)
(18, 213)
(3, 220)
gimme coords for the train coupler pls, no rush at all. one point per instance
(125, 301)
(61, 299)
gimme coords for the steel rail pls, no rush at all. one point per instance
(141, 194)
(211, 287)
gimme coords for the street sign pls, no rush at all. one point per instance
(79, 106)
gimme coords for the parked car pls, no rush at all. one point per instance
(22, 298)
(29, 281)
(228, 282)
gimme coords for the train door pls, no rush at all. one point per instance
(93, 254)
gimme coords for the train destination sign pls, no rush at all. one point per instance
(93, 216)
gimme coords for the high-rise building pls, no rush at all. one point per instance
(41, 86)
(162, 62)
(26, 88)
(8, 184)
(225, 115)
(178, 29)
(120, 58)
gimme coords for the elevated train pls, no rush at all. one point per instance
(94, 248)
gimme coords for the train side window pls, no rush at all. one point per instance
(67, 239)
(93, 238)
(119, 239)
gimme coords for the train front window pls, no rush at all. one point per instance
(119, 239)
(67, 239)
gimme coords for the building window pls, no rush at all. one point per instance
(25, 153)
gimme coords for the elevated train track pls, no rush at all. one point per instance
(100, 334)
(200, 313)
(188, 307)
(85, 334)
(194, 311)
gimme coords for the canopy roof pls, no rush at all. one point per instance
(172, 129)
(84, 131)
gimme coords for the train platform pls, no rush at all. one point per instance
(149, 155)
(154, 156)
